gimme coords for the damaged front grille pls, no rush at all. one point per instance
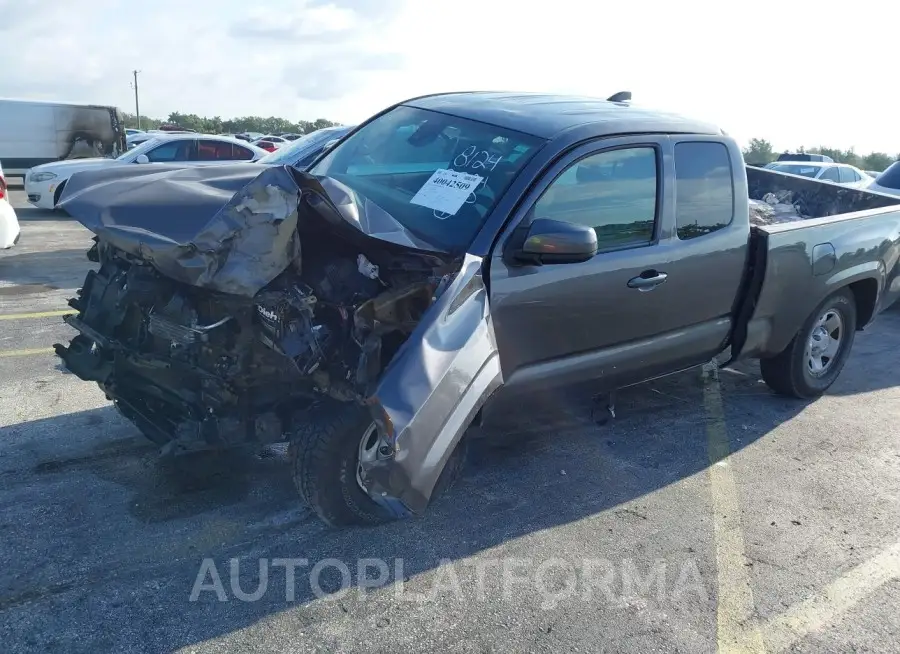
(171, 331)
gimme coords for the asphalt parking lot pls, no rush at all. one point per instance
(710, 515)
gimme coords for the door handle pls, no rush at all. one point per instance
(647, 280)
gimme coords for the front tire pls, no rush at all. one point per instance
(812, 361)
(325, 455)
(324, 460)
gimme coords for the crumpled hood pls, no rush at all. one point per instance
(229, 228)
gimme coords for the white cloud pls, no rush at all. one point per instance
(795, 73)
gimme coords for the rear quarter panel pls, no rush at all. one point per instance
(809, 260)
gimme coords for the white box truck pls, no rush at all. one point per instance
(33, 132)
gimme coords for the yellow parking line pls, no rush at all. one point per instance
(25, 353)
(821, 610)
(40, 314)
(736, 629)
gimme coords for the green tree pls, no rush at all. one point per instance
(759, 152)
(218, 125)
(146, 122)
(876, 161)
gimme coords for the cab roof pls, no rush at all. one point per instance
(547, 115)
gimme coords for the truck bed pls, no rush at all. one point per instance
(777, 198)
(823, 237)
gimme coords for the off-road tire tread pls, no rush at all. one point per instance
(314, 456)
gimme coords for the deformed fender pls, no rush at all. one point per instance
(430, 392)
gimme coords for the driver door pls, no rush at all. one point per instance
(565, 323)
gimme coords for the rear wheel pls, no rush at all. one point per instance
(812, 361)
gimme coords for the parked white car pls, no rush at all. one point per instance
(9, 222)
(44, 184)
(888, 181)
(837, 173)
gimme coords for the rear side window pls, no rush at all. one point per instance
(848, 176)
(208, 150)
(240, 153)
(890, 178)
(704, 189)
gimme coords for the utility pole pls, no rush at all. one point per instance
(137, 106)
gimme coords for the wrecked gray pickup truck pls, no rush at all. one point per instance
(452, 249)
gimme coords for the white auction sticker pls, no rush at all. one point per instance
(446, 190)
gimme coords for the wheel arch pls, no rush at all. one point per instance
(865, 294)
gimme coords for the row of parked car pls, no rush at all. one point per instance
(267, 142)
(825, 169)
(44, 184)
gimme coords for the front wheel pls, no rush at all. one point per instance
(325, 462)
(812, 361)
(327, 452)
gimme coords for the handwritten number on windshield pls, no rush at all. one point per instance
(476, 159)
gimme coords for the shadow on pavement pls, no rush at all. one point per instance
(32, 272)
(104, 520)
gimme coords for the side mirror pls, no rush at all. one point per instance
(555, 241)
(330, 144)
(142, 159)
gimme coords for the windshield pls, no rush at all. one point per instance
(290, 155)
(138, 149)
(437, 175)
(797, 169)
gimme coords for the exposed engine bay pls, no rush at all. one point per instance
(197, 368)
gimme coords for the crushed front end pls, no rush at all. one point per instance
(210, 356)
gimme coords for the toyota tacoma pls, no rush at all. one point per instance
(454, 248)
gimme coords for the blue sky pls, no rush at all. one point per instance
(794, 72)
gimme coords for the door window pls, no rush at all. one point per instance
(172, 151)
(614, 192)
(209, 150)
(832, 174)
(704, 188)
(848, 175)
(239, 153)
